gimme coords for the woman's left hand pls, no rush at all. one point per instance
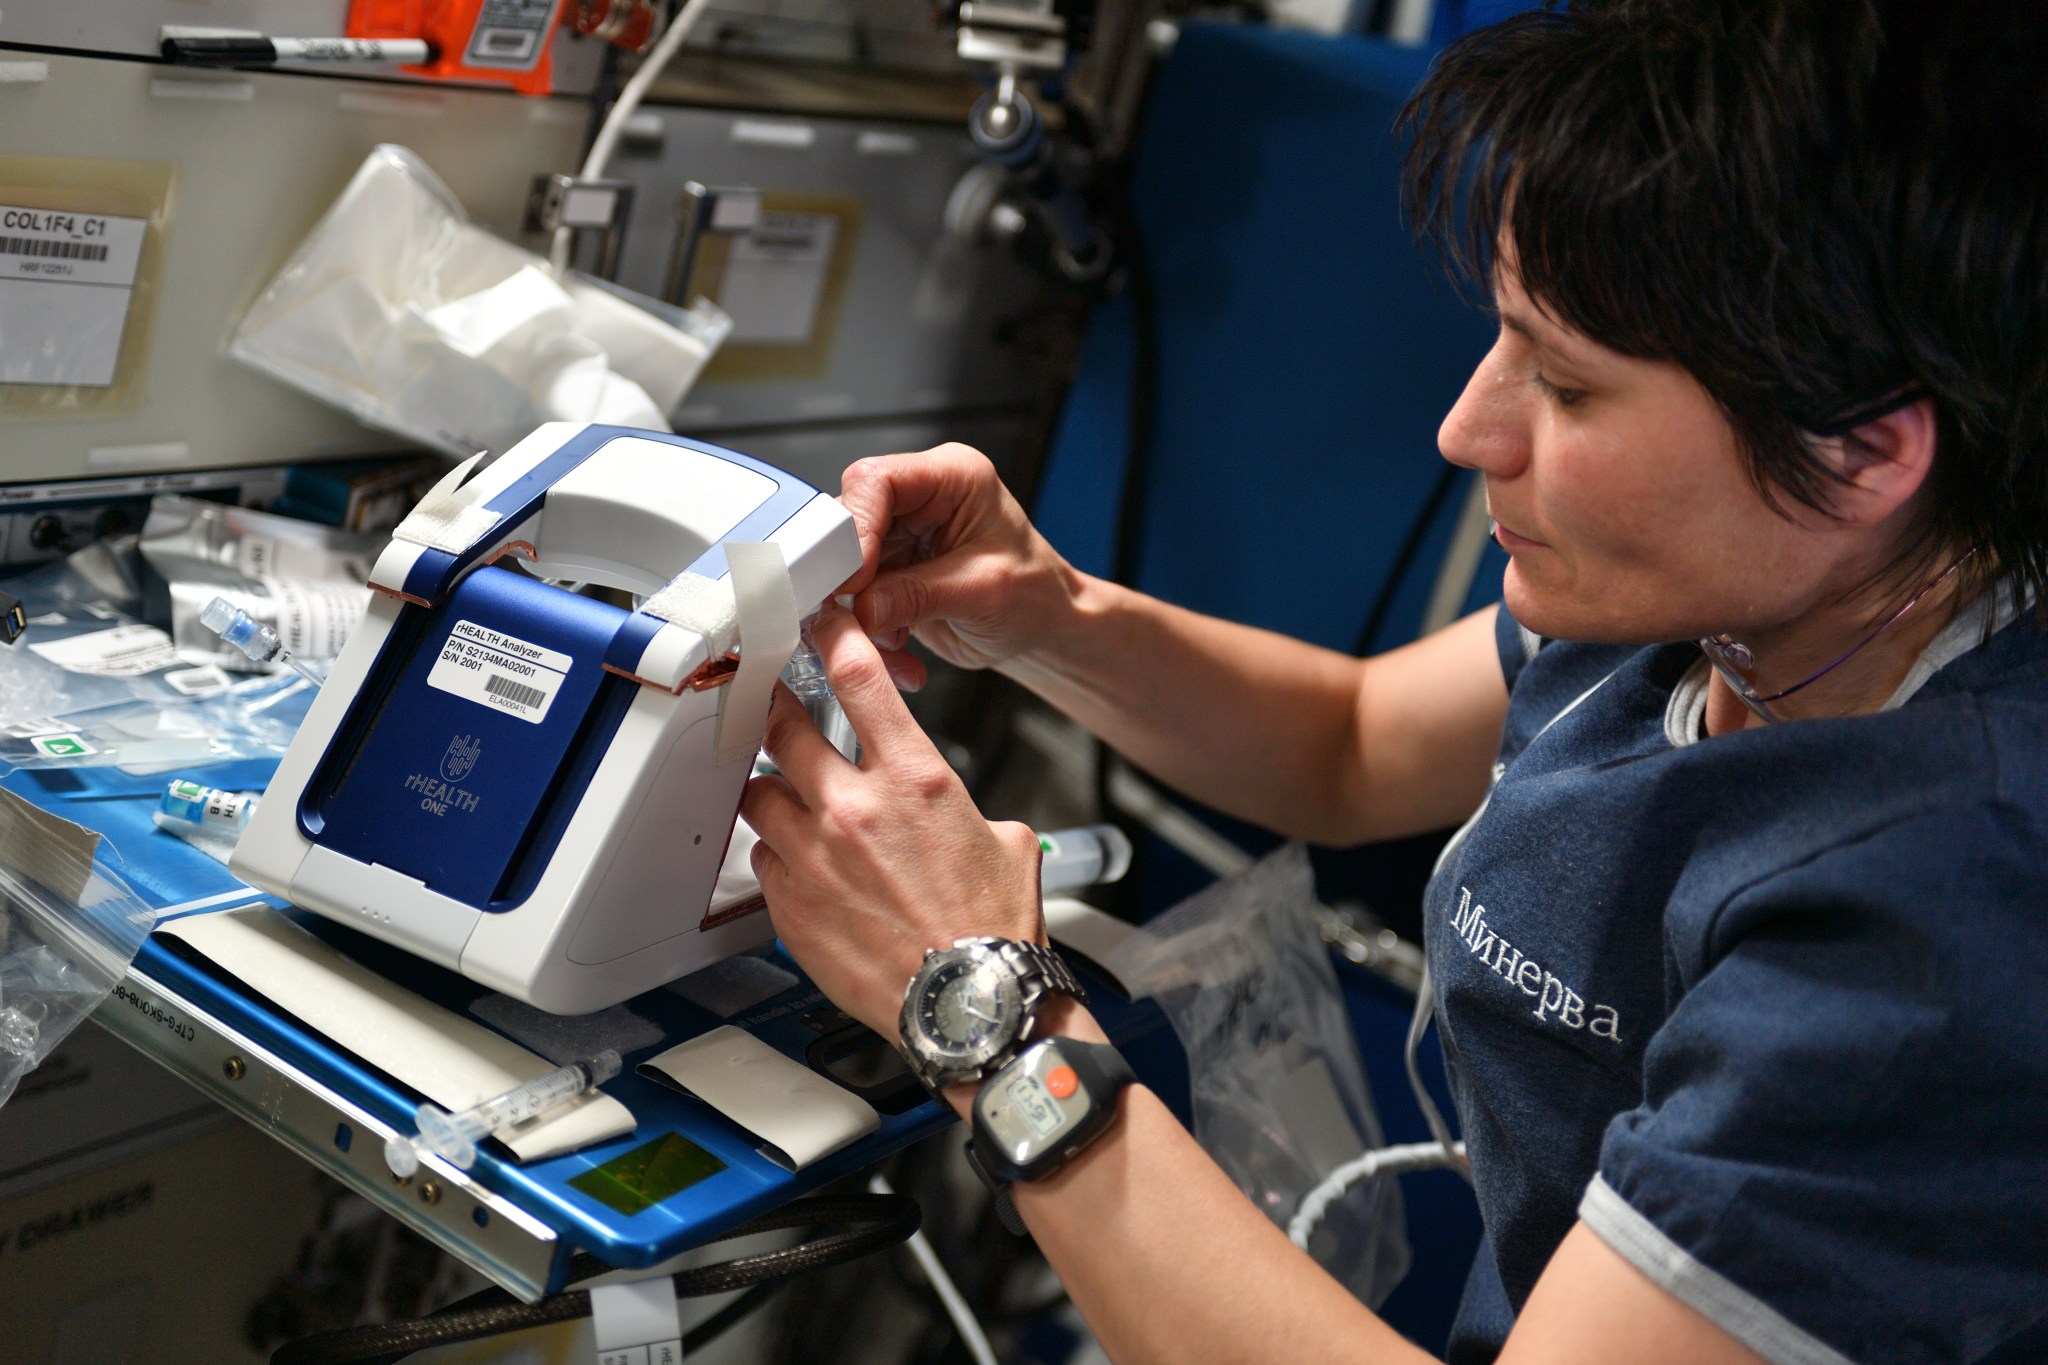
(865, 867)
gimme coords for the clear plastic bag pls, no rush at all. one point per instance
(1280, 1097)
(93, 685)
(255, 718)
(69, 927)
(399, 310)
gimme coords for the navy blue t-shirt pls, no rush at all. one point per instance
(1769, 1011)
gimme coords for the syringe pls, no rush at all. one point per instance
(252, 637)
(453, 1137)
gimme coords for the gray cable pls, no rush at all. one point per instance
(956, 1307)
(1414, 1156)
(1418, 1024)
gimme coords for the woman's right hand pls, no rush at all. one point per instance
(949, 556)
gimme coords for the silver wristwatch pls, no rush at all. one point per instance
(971, 1006)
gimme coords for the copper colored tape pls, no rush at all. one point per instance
(509, 547)
(746, 907)
(717, 673)
(396, 595)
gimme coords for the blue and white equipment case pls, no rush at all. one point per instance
(531, 786)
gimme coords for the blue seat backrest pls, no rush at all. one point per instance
(1307, 349)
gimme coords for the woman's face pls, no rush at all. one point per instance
(1622, 497)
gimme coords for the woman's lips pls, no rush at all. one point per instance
(1511, 542)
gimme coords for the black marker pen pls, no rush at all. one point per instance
(254, 50)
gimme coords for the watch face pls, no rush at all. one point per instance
(965, 1009)
(1033, 1104)
(962, 1006)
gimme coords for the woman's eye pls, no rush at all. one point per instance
(1564, 398)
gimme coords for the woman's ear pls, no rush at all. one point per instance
(1882, 463)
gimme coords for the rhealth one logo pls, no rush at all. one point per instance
(462, 755)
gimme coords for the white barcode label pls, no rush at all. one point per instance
(500, 671)
(123, 652)
(65, 282)
(510, 35)
(55, 250)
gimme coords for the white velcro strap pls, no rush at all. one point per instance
(702, 604)
(637, 1323)
(443, 521)
(797, 1113)
(768, 636)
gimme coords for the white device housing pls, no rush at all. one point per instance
(624, 902)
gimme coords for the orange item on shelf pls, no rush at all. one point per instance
(501, 41)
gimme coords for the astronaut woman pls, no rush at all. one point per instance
(1742, 963)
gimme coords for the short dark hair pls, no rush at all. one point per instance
(1810, 205)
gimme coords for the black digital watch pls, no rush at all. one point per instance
(1040, 1110)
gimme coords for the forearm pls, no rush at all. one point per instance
(1255, 724)
(1169, 1262)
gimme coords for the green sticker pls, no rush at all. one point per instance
(648, 1174)
(61, 746)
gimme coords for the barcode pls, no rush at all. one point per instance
(519, 694)
(43, 246)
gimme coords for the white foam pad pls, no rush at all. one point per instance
(444, 520)
(702, 604)
(798, 1113)
(768, 636)
(455, 1062)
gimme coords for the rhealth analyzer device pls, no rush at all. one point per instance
(532, 786)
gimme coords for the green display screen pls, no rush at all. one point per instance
(648, 1174)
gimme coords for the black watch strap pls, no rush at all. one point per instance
(999, 1195)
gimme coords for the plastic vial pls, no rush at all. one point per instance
(249, 635)
(805, 675)
(198, 807)
(453, 1137)
(1089, 856)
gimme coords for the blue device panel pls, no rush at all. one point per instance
(474, 735)
(171, 874)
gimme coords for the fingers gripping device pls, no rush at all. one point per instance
(529, 785)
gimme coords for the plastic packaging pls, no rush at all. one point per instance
(69, 927)
(305, 581)
(1073, 858)
(400, 311)
(93, 685)
(252, 719)
(453, 1137)
(1279, 1093)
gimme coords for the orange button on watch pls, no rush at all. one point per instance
(1062, 1082)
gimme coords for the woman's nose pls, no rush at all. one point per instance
(1487, 429)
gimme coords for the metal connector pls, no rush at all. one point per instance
(589, 209)
(705, 211)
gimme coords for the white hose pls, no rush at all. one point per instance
(1415, 1156)
(622, 109)
(942, 1284)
